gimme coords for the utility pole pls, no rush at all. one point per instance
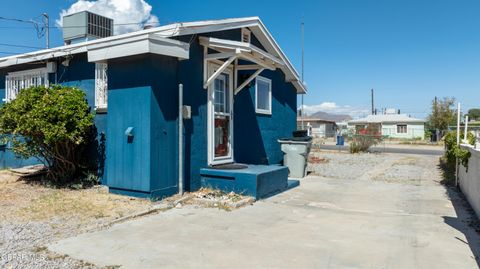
(435, 118)
(303, 65)
(47, 28)
(373, 105)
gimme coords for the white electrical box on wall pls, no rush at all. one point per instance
(51, 67)
(187, 112)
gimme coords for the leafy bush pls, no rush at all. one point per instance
(52, 124)
(361, 143)
(453, 151)
(428, 135)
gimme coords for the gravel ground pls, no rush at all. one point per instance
(22, 245)
(32, 216)
(344, 165)
(408, 169)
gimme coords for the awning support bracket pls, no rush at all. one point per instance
(245, 83)
(219, 71)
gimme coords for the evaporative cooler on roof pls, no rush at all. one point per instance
(85, 26)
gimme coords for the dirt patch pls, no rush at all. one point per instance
(218, 199)
(22, 202)
(32, 215)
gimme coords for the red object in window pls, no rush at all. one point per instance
(221, 136)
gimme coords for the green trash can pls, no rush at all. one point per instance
(296, 150)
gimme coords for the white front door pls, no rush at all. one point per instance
(220, 117)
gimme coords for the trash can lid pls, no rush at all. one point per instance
(297, 139)
(300, 133)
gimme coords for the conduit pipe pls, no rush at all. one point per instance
(180, 139)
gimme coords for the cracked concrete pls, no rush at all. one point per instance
(324, 223)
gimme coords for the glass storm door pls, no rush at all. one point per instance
(220, 119)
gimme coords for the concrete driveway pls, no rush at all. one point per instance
(376, 220)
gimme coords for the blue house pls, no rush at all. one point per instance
(239, 97)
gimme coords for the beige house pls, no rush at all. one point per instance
(318, 127)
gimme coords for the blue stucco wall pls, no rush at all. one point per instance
(190, 74)
(256, 135)
(143, 95)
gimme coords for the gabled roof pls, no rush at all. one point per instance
(176, 29)
(386, 118)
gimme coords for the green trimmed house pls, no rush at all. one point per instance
(399, 126)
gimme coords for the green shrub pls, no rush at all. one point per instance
(428, 135)
(362, 143)
(453, 151)
(52, 124)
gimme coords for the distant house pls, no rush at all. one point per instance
(319, 127)
(240, 93)
(391, 125)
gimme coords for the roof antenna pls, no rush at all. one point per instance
(303, 63)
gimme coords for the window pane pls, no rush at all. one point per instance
(263, 95)
(101, 85)
(220, 98)
(222, 126)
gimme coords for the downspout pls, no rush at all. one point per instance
(180, 139)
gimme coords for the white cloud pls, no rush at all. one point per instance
(331, 107)
(121, 11)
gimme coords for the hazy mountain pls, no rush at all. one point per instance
(327, 116)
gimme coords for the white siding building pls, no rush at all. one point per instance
(318, 127)
(392, 125)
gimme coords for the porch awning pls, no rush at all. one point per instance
(229, 52)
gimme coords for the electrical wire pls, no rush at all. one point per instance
(77, 26)
(17, 20)
(19, 46)
(9, 53)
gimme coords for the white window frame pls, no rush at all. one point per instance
(259, 110)
(101, 86)
(406, 128)
(212, 160)
(17, 81)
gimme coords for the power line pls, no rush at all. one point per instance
(79, 26)
(115, 24)
(19, 46)
(17, 20)
(9, 53)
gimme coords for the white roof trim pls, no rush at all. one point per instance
(156, 43)
(386, 118)
(242, 47)
(253, 23)
(147, 43)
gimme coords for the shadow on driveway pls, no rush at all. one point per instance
(465, 222)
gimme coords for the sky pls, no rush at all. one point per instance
(408, 51)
